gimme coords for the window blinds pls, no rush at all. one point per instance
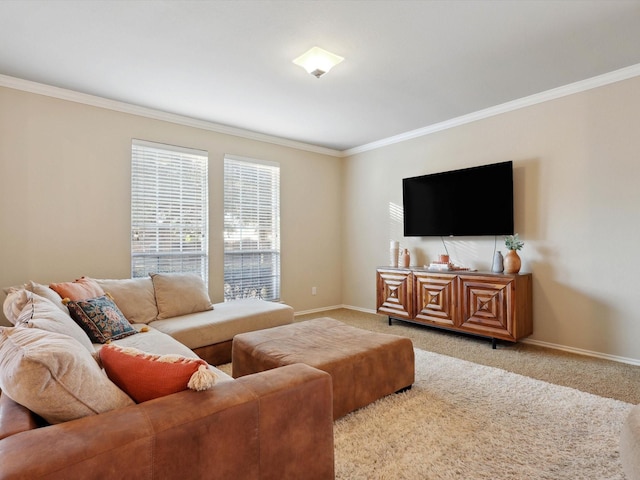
(251, 229)
(169, 210)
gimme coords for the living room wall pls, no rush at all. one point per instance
(576, 171)
(65, 197)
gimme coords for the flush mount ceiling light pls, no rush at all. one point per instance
(318, 61)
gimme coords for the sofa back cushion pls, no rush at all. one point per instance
(16, 300)
(135, 297)
(43, 314)
(54, 376)
(179, 294)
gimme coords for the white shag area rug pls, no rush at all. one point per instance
(467, 421)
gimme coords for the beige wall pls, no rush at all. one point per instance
(577, 208)
(64, 205)
(65, 197)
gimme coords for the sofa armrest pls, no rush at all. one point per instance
(14, 418)
(296, 422)
(212, 434)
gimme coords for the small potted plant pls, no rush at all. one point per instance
(512, 261)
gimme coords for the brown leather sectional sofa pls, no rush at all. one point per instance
(272, 425)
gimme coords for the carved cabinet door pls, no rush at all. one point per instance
(436, 298)
(487, 305)
(395, 293)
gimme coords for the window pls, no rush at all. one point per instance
(169, 210)
(251, 229)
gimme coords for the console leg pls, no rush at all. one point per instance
(493, 343)
(389, 321)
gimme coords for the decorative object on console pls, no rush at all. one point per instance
(512, 262)
(405, 258)
(498, 263)
(394, 251)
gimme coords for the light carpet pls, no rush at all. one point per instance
(466, 421)
(462, 420)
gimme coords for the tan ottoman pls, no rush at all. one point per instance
(364, 365)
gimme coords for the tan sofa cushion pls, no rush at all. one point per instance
(43, 314)
(48, 293)
(225, 321)
(179, 294)
(54, 376)
(135, 297)
(16, 300)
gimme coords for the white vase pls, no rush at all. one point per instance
(498, 263)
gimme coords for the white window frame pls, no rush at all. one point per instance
(251, 229)
(169, 210)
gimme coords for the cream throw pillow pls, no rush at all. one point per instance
(43, 314)
(54, 376)
(134, 297)
(14, 303)
(49, 294)
(17, 298)
(180, 294)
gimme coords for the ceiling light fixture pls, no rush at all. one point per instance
(318, 61)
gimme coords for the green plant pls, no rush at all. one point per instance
(512, 242)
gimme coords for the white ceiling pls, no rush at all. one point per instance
(408, 64)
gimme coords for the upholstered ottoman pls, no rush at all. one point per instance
(364, 366)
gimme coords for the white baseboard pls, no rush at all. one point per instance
(554, 346)
(318, 310)
(580, 351)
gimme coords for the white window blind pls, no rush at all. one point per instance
(169, 210)
(251, 229)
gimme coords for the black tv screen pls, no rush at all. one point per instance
(468, 202)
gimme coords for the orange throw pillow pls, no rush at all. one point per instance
(144, 376)
(82, 289)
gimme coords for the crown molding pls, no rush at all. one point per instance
(96, 101)
(577, 87)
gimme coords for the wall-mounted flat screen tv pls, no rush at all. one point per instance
(468, 202)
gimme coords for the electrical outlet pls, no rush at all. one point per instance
(314, 290)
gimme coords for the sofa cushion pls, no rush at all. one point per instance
(48, 293)
(145, 376)
(100, 318)
(81, 289)
(135, 297)
(43, 314)
(179, 294)
(54, 376)
(227, 320)
(16, 300)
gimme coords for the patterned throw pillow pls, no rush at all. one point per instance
(101, 319)
(145, 376)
